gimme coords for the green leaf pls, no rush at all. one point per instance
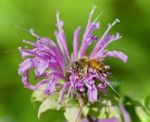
(142, 115)
(85, 110)
(71, 114)
(48, 103)
(38, 95)
(109, 112)
(60, 81)
(130, 106)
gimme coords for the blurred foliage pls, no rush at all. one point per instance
(15, 104)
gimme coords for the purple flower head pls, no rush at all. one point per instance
(81, 72)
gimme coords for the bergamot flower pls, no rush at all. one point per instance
(84, 75)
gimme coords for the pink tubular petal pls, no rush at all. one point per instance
(23, 53)
(25, 66)
(34, 34)
(108, 39)
(84, 120)
(62, 92)
(51, 51)
(58, 75)
(92, 94)
(41, 67)
(104, 40)
(88, 37)
(25, 81)
(75, 43)
(56, 52)
(28, 42)
(61, 40)
(117, 54)
(113, 119)
(40, 84)
(51, 86)
(125, 114)
(92, 118)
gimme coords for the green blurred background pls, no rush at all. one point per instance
(134, 77)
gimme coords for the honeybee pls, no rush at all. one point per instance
(96, 64)
(82, 65)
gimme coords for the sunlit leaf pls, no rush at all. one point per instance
(48, 104)
(142, 115)
(71, 114)
(85, 110)
(38, 95)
